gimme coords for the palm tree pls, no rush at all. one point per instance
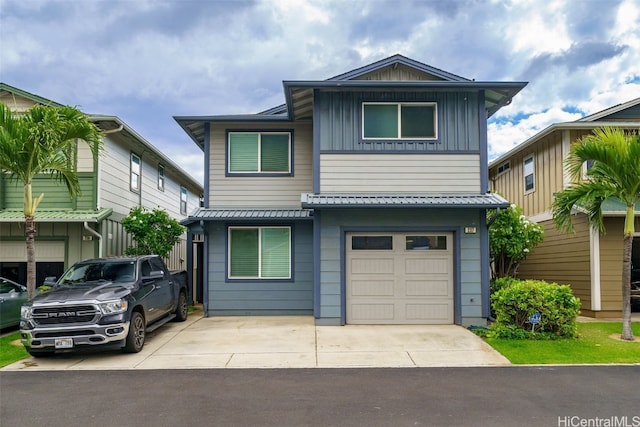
(615, 173)
(42, 141)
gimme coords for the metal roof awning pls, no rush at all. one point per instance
(612, 207)
(17, 215)
(485, 201)
(219, 214)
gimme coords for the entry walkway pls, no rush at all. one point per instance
(284, 342)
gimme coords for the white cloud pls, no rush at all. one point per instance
(145, 61)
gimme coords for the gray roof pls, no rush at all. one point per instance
(250, 214)
(404, 200)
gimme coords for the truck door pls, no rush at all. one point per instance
(164, 286)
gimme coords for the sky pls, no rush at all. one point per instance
(147, 61)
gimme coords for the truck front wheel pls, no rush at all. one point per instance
(182, 309)
(135, 337)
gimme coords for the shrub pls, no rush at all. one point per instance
(517, 300)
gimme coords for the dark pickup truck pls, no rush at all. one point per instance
(104, 302)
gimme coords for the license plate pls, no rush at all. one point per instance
(64, 343)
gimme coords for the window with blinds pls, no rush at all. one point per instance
(259, 253)
(399, 120)
(259, 152)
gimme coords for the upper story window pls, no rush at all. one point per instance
(160, 177)
(259, 153)
(407, 120)
(529, 171)
(183, 200)
(136, 170)
(504, 167)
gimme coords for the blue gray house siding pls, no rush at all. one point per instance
(338, 116)
(255, 297)
(469, 265)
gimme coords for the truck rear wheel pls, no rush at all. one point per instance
(135, 337)
(182, 310)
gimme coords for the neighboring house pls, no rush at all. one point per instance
(530, 174)
(362, 200)
(129, 172)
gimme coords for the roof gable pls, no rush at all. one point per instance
(627, 111)
(21, 100)
(398, 68)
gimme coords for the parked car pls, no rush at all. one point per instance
(104, 302)
(12, 296)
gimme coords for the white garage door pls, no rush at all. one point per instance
(46, 251)
(399, 278)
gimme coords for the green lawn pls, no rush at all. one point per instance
(594, 345)
(9, 352)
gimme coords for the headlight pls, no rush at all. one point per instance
(26, 312)
(114, 307)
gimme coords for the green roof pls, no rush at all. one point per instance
(52, 215)
(613, 207)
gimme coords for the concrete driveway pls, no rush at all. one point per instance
(283, 342)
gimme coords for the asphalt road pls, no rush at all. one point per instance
(504, 396)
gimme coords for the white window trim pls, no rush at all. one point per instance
(259, 277)
(138, 174)
(400, 104)
(533, 173)
(161, 177)
(259, 133)
(185, 200)
(505, 166)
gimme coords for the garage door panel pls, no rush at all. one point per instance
(427, 266)
(372, 266)
(432, 288)
(433, 312)
(372, 288)
(372, 312)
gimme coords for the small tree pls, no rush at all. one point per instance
(511, 238)
(154, 232)
(42, 141)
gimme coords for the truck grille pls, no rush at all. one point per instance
(65, 314)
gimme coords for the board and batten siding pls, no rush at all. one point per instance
(261, 296)
(467, 262)
(549, 178)
(400, 173)
(563, 258)
(262, 191)
(339, 120)
(611, 252)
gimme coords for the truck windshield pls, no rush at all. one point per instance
(120, 271)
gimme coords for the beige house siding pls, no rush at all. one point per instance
(398, 72)
(562, 258)
(263, 191)
(16, 102)
(611, 265)
(405, 173)
(549, 178)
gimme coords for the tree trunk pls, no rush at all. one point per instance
(30, 231)
(627, 333)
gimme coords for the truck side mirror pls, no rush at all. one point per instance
(50, 280)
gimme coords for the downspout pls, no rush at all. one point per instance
(97, 235)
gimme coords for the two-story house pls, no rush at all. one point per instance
(129, 172)
(530, 174)
(362, 200)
